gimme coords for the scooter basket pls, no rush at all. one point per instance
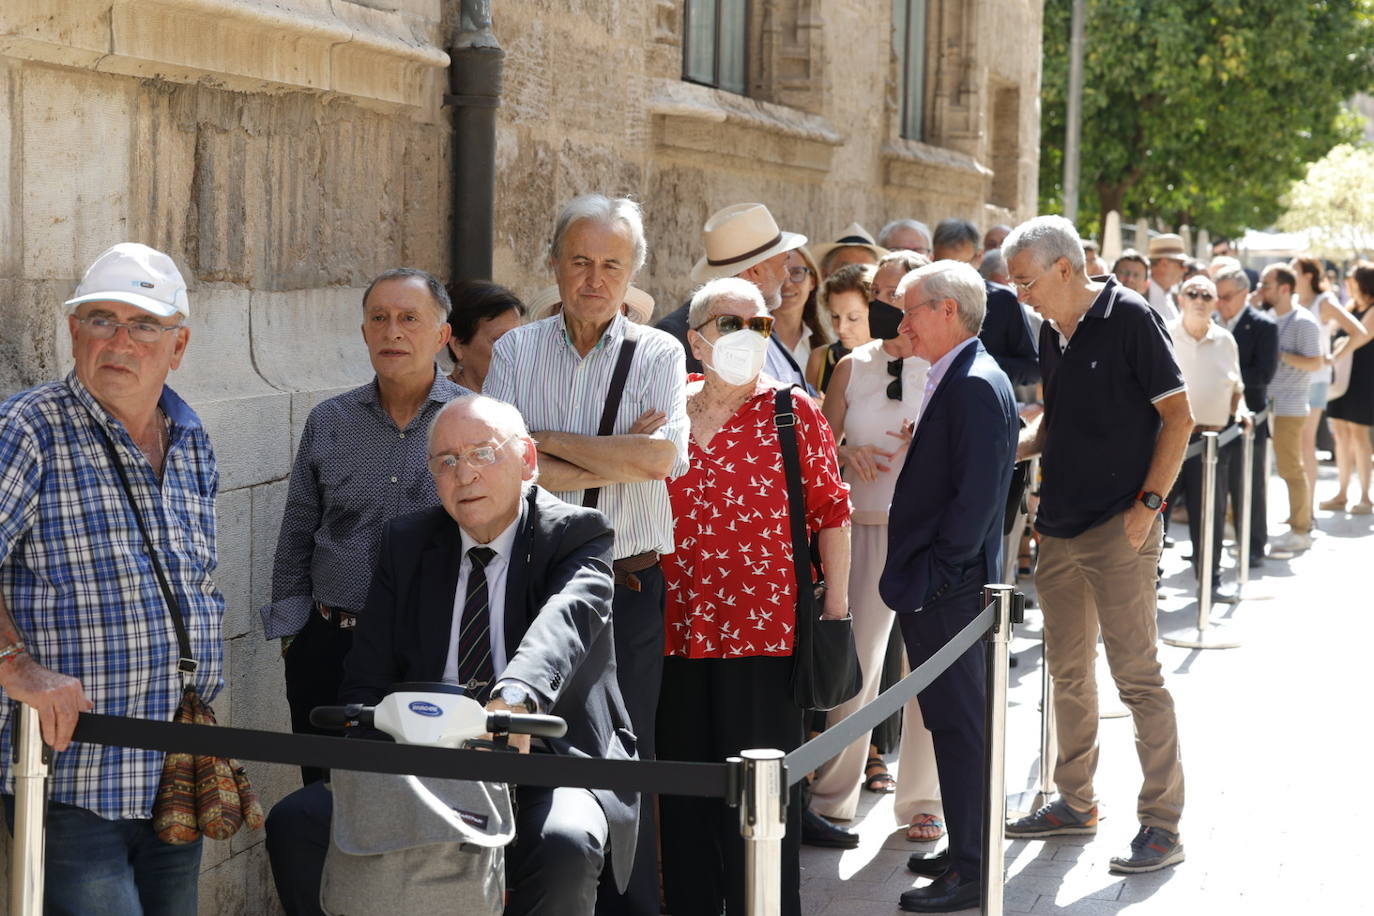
(411, 844)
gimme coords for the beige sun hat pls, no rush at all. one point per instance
(544, 303)
(739, 237)
(853, 236)
(1168, 245)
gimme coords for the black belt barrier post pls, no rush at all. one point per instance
(1010, 609)
(762, 798)
(1247, 487)
(32, 758)
(1206, 637)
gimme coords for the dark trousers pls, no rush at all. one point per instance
(954, 707)
(314, 671)
(551, 868)
(1190, 480)
(638, 626)
(1259, 507)
(710, 709)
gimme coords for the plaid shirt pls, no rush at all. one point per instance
(78, 581)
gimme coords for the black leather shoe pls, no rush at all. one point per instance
(928, 866)
(946, 894)
(817, 831)
(1256, 560)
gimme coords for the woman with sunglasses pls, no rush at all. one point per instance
(730, 613)
(875, 397)
(845, 294)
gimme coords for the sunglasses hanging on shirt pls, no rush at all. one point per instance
(894, 387)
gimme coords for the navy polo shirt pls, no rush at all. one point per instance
(1100, 420)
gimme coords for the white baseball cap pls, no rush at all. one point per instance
(135, 274)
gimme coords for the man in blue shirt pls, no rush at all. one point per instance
(360, 463)
(83, 622)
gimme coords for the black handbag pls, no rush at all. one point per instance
(825, 662)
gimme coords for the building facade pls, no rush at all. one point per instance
(284, 152)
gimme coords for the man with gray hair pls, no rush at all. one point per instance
(606, 401)
(944, 543)
(907, 234)
(359, 464)
(1115, 427)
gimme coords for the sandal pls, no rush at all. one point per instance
(1334, 504)
(882, 781)
(1362, 508)
(925, 828)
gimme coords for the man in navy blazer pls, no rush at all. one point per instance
(548, 612)
(945, 543)
(1257, 343)
(1007, 337)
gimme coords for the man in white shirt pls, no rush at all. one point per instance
(1168, 263)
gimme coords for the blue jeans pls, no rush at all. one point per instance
(113, 868)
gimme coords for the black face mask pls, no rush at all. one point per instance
(883, 320)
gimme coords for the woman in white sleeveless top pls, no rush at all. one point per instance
(875, 397)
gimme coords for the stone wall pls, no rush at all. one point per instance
(285, 151)
(594, 100)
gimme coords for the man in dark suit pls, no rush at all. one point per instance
(1007, 338)
(944, 543)
(506, 590)
(1257, 340)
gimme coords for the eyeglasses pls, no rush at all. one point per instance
(894, 387)
(145, 332)
(484, 456)
(729, 324)
(798, 274)
(1026, 287)
(1198, 294)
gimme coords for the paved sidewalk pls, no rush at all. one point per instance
(1273, 747)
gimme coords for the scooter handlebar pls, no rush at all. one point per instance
(341, 716)
(526, 724)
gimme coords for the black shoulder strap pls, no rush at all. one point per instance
(592, 495)
(785, 419)
(186, 664)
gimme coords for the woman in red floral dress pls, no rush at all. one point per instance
(731, 593)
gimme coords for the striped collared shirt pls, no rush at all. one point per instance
(537, 369)
(78, 581)
(354, 471)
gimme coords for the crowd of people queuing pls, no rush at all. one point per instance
(589, 516)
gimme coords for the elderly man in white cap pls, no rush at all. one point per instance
(744, 241)
(1168, 264)
(606, 401)
(108, 484)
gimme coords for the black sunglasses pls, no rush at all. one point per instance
(1198, 294)
(729, 324)
(894, 387)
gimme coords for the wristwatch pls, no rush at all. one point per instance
(1153, 501)
(514, 695)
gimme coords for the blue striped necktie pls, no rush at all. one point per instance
(474, 640)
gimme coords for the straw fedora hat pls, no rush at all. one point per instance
(640, 305)
(853, 236)
(1168, 245)
(739, 237)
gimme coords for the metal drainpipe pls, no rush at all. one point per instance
(474, 93)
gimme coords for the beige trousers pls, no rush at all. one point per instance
(1098, 582)
(835, 791)
(1288, 458)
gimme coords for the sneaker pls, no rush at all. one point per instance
(1152, 849)
(1055, 819)
(1291, 543)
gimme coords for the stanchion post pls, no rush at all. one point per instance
(32, 759)
(1247, 485)
(1049, 744)
(762, 823)
(1202, 552)
(1009, 607)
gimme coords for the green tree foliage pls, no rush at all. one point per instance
(1201, 111)
(1334, 203)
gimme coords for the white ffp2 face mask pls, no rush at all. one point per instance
(738, 356)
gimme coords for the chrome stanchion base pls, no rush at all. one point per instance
(1215, 636)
